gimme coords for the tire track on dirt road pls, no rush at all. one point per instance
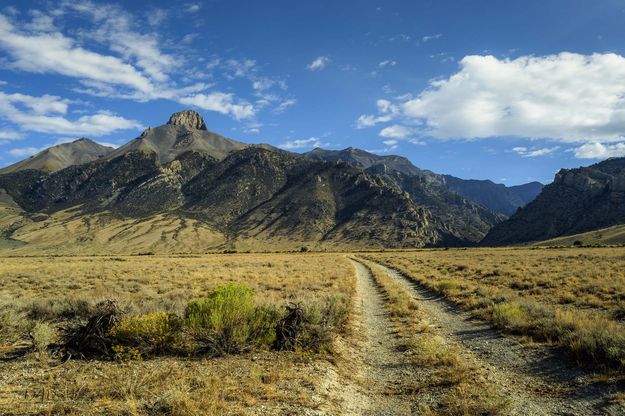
(538, 382)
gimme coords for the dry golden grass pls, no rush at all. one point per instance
(155, 282)
(259, 382)
(572, 296)
(268, 383)
(584, 278)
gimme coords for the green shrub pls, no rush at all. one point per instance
(590, 338)
(527, 318)
(229, 321)
(42, 335)
(153, 333)
(593, 339)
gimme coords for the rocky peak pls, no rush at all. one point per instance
(188, 118)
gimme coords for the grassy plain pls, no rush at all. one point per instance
(49, 292)
(573, 297)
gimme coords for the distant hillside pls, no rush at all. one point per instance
(61, 156)
(578, 200)
(614, 235)
(496, 197)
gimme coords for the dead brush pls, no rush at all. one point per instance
(93, 339)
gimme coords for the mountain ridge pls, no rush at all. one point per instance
(577, 201)
(61, 156)
(236, 193)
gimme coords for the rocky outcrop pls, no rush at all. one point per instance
(189, 119)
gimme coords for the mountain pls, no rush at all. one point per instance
(578, 200)
(496, 197)
(180, 188)
(61, 156)
(527, 192)
(469, 208)
(185, 131)
(363, 159)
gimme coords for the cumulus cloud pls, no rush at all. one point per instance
(222, 103)
(566, 97)
(318, 64)
(597, 150)
(396, 131)
(24, 151)
(48, 117)
(387, 112)
(193, 7)
(525, 152)
(9, 135)
(303, 143)
(55, 53)
(112, 57)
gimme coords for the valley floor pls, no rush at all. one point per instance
(424, 336)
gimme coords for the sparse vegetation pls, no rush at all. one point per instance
(563, 296)
(139, 319)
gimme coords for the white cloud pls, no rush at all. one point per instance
(156, 16)
(319, 63)
(284, 105)
(387, 112)
(566, 97)
(222, 103)
(24, 151)
(428, 38)
(25, 112)
(597, 150)
(9, 135)
(303, 143)
(193, 8)
(128, 64)
(55, 53)
(386, 63)
(525, 152)
(390, 142)
(396, 131)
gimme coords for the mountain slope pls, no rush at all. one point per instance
(253, 197)
(496, 197)
(614, 235)
(61, 156)
(461, 217)
(577, 201)
(184, 132)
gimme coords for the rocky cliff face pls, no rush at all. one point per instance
(578, 200)
(189, 119)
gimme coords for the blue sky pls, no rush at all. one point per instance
(501, 90)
